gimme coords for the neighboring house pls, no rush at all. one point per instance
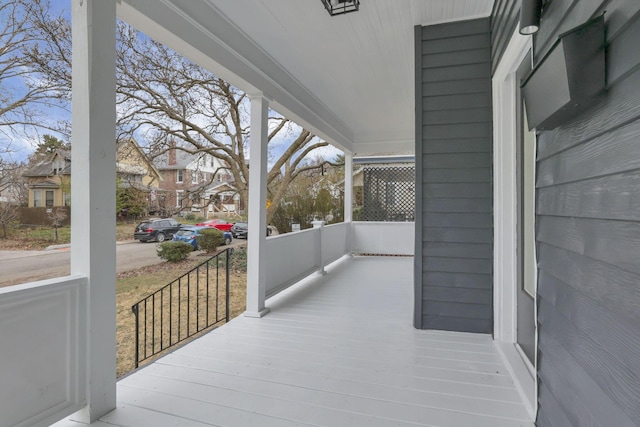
(134, 168)
(12, 186)
(192, 182)
(525, 244)
(222, 197)
(49, 180)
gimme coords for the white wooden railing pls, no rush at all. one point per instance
(43, 327)
(292, 256)
(383, 238)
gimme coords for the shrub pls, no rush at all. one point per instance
(239, 260)
(189, 216)
(174, 251)
(210, 239)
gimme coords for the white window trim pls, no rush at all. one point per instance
(179, 197)
(179, 176)
(505, 263)
(39, 192)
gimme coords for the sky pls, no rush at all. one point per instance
(21, 146)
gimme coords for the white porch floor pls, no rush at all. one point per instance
(338, 350)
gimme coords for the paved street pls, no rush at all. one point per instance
(26, 266)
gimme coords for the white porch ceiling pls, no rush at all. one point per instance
(349, 78)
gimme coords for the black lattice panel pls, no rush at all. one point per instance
(389, 194)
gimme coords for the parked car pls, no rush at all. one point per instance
(156, 229)
(239, 230)
(190, 234)
(220, 224)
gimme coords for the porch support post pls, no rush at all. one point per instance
(348, 187)
(93, 239)
(257, 237)
(348, 196)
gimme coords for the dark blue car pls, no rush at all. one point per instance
(190, 235)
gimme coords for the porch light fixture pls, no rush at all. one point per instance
(530, 12)
(339, 7)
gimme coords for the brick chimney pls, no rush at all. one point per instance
(172, 153)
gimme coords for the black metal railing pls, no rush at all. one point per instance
(194, 302)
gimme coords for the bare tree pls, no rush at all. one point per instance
(179, 102)
(176, 103)
(8, 215)
(13, 186)
(25, 92)
(56, 219)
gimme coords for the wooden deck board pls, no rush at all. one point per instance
(337, 350)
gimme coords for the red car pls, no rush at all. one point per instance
(220, 224)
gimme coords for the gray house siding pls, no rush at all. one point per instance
(454, 249)
(588, 236)
(504, 19)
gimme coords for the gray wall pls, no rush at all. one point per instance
(454, 227)
(588, 233)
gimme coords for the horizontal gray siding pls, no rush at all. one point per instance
(504, 19)
(454, 246)
(588, 234)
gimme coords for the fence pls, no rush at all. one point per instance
(196, 301)
(38, 216)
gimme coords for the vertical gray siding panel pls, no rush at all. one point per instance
(588, 238)
(454, 249)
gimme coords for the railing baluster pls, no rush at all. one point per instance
(135, 310)
(161, 320)
(198, 298)
(217, 292)
(208, 303)
(145, 328)
(227, 289)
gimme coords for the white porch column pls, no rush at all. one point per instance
(257, 236)
(93, 183)
(348, 187)
(348, 197)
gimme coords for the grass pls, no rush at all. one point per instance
(132, 286)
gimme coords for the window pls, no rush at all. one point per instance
(67, 199)
(194, 177)
(49, 198)
(37, 198)
(179, 175)
(179, 197)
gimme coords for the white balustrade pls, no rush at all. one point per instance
(43, 326)
(292, 256)
(383, 238)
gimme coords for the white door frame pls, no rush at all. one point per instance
(505, 262)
